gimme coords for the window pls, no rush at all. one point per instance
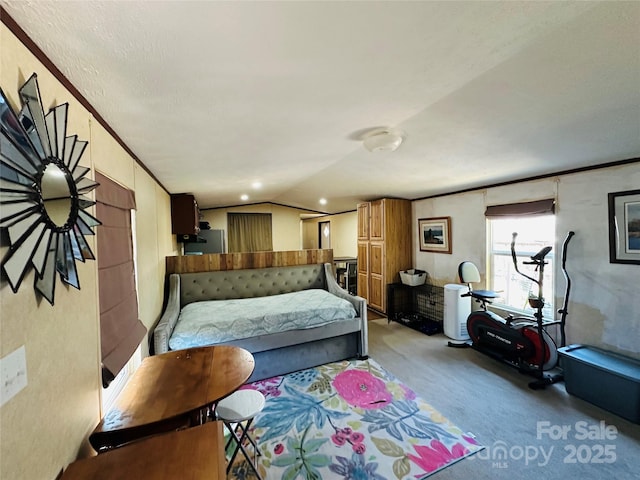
(534, 233)
(110, 393)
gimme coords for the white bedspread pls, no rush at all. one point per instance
(219, 321)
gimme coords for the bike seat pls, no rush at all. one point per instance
(468, 273)
(483, 294)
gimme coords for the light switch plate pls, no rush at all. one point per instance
(13, 374)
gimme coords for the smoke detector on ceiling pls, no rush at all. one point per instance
(383, 139)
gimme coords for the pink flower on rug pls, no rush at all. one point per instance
(264, 387)
(339, 439)
(267, 381)
(470, 440)
(271, 390)
(278, 449)
(361, 389)
(437, 455)
(408, 393)
(359, 448)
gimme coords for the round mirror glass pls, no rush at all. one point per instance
(56, 195)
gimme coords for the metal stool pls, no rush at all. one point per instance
(237, 412)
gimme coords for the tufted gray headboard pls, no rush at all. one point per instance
(256, 282)
(223, 285)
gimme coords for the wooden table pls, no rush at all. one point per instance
(193, 454)
(170, 391)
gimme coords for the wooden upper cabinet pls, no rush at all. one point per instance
(376, 224)
(363, 221)
(185, 215)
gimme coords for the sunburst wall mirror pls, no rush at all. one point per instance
(42, 194)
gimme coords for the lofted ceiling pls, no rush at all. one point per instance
(213, 96)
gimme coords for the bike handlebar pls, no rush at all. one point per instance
(513, 250)
(564, 249)
(537, 259)
(564, 309)
(565, 305)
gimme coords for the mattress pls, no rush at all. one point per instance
(219, 321)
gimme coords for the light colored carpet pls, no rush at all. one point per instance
(514, 423)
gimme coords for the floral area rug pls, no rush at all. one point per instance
(349, 420)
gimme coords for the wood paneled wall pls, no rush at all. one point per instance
(239, 261)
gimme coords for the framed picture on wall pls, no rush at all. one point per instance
(435, 234)
(624, 227)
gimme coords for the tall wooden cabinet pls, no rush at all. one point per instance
(384, 247)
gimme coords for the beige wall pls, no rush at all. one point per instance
(46, 424)
(285, 222)
(604, 307)
(344, 233)
(292, 233)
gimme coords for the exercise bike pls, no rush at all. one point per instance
(519, 341)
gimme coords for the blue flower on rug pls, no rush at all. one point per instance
(355, 468)
(350, 420)
(295, 410)
(403, 419)
(303, 377)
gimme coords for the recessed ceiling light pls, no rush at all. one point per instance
(323, 201)
(256, 185)
(244, 197)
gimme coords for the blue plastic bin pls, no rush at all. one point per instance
(606, 379)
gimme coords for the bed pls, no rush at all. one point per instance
(290, 318)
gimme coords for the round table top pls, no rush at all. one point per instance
(175, 384)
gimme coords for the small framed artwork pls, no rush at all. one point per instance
(624, 227)
(435, 234)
